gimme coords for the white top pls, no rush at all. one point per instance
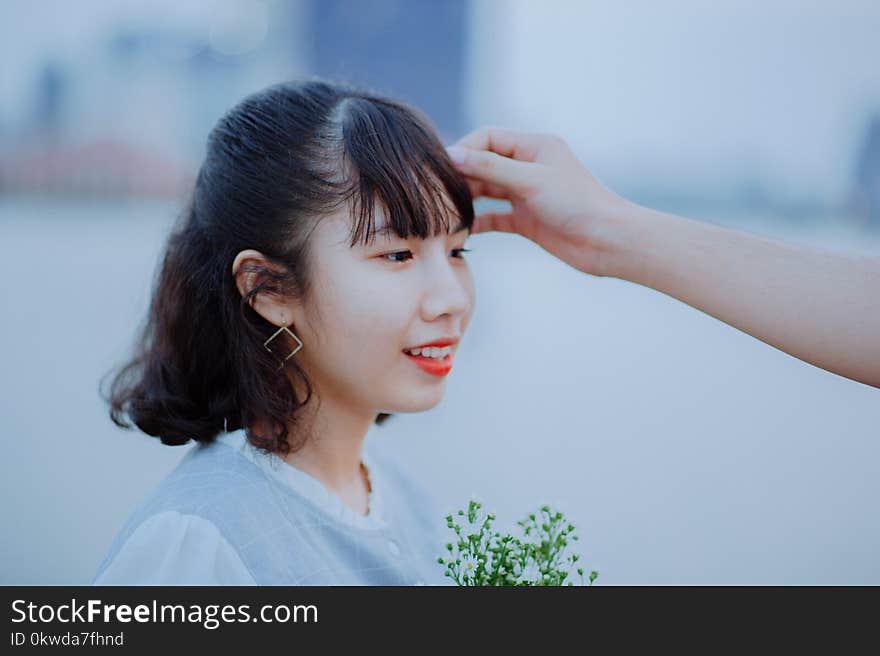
(174, 547)
(171, 548)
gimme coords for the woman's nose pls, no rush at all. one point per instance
(449, 290)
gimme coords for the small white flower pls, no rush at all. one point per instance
(468, 567)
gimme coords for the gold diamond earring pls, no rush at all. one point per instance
(284, 328)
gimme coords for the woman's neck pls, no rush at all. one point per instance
(332, 453)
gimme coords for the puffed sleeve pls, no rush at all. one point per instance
(172, 548)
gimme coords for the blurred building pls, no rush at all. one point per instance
(129, 114)
(413, 50)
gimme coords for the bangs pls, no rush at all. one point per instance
(393, 157)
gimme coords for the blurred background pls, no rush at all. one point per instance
(684, 451)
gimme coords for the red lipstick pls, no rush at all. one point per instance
(433, 365)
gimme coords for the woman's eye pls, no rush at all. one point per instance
(397, 253)
(409, 254)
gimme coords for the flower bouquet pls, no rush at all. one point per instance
(481, 557)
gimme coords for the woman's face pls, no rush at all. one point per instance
(369, 303)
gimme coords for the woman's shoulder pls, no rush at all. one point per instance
(190, 511)
(174, 548)
(208, 474)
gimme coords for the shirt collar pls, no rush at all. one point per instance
(311, 488)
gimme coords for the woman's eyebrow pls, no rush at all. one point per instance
(387, 230)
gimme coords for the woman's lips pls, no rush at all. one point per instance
(433, 365)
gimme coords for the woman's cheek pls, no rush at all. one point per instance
(472, 292)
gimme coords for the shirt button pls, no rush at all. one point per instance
(393, 548)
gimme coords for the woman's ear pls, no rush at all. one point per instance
(248, 270)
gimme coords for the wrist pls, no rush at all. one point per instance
(651, 246)
(623, 238)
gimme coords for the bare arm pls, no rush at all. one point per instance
(819, 306)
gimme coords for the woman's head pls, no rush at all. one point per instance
(328, 209)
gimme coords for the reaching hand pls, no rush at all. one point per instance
(819, 306)
(555, 201)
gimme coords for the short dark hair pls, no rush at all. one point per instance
(275, 164)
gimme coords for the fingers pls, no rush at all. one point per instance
(523, 146)
(499, 173)
(493, 221)
(480, 189)
(500, 162)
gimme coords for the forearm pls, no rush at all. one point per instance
(819, 306)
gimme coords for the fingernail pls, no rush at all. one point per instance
(457, 154)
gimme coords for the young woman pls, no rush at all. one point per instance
(315, 285)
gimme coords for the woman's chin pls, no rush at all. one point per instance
(418, 403)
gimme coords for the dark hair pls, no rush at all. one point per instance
(276, 163)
